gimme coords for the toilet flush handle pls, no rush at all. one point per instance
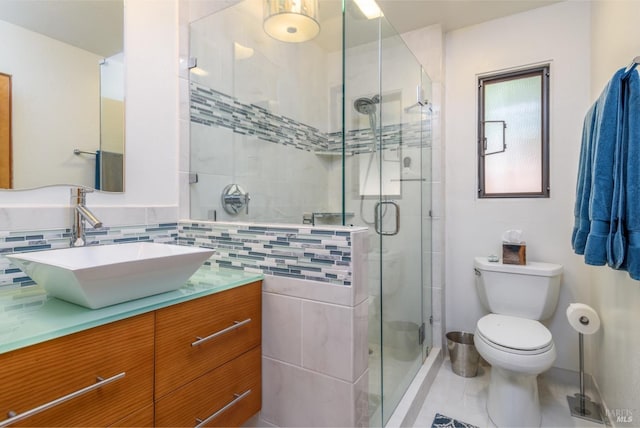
(477, 272)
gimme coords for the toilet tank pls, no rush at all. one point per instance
(528, 291)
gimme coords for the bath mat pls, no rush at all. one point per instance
(442, 421)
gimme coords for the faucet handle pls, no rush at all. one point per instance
(78, 195)
(80, 190)
(85, 190)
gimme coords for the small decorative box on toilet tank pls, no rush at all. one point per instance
(514, 254)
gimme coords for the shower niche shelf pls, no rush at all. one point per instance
(330, 154)
(310, 218)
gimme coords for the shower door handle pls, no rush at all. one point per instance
(378, 220)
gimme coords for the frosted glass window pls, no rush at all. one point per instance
(513, 141)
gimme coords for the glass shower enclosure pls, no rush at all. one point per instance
(387, 127)
(343, 137)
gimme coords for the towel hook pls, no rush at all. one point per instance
(632, 66)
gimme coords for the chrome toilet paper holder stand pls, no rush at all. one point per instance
(580, 404)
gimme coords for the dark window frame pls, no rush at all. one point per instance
(543, 72)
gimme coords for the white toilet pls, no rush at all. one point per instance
(511, 339)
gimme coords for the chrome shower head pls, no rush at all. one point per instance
(366, 105)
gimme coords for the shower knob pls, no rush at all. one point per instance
(234, 199)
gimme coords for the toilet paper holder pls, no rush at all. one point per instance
(580, 404)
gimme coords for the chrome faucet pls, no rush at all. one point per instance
(81, 214)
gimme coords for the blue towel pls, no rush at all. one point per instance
(616, 240)
(631, 141)
(603, 146)
(607, 208)
(583, 186)
(96, 178)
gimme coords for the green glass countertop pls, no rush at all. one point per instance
(28, 316)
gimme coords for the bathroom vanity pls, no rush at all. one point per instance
(184, 358)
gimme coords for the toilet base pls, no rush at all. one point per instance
(513, 399)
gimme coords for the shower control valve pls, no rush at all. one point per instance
(235, 199)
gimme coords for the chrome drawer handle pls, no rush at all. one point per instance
(236, 324)
(239, 397)
(13, 418)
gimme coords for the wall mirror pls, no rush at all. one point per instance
(62, 94)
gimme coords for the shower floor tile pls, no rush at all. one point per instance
(465, 399)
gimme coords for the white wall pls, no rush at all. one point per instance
(151, 177)
(559, 35)
(53, 84)
(616, 297)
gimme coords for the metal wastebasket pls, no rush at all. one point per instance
(463, 354)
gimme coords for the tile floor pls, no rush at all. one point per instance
(465, 399)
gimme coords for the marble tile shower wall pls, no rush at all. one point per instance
(212, 108)
(300, 252)
(15, 242)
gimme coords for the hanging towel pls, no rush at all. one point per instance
(583, 186)
(96, 179)
(631, 141)
(112, 167)
(616, 240)
(607, 126)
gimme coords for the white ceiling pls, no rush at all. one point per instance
(93, 25)
(407, 15)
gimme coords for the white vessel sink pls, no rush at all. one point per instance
(100, 276)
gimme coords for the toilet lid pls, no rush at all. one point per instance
(513, 332)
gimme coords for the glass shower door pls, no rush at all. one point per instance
(387, 189)
(400, 227)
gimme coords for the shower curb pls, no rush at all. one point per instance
(409, 407)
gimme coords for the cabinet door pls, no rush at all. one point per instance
(121, 352)
(232, 321)
(228, 395)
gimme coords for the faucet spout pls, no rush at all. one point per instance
(81, 214)
(88, 216)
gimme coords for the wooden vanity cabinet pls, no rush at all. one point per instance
(39, 374)
(208, 356)
(142, 418)
(228, 395)
(158, 375)
(179, 359)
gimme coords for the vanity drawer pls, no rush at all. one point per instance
(39, 374)
(232, 321)
(233, 390)
(141, 418)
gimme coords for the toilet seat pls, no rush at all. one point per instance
(514, 335)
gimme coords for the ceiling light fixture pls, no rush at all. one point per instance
(369, 8)
(293, 21)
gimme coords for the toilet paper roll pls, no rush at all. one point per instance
(583, 318)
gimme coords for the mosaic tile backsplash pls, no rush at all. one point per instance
(212, 108)
(14, 242)
(302, 252)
